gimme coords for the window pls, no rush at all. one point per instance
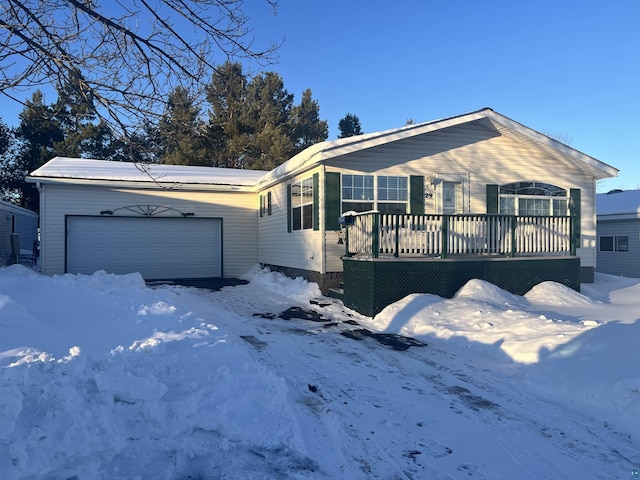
(302, 204)
(265, 204)
(533, 199)
(619, 243)
(387, 194)
(393, 193)
(357, 193)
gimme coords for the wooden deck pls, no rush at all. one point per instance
(391, 256)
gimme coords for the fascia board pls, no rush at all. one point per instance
(142, 185)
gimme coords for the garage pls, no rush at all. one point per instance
(156, 247)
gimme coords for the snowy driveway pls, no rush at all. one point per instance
(103, 377)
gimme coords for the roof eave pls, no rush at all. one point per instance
(143, 185)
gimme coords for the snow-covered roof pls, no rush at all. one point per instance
(326, 150)
(619, 204)
(61, 168)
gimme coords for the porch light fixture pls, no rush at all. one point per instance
(188, 214)
(106, 212)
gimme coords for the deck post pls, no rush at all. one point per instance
(574, 237)
(346, 240)
(445, 236)
(514, 222)
(396, 252)
(375, 238)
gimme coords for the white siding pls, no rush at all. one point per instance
(301, 249)
(481, 155)
(236, 209)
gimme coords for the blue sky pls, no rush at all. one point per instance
(568, 68)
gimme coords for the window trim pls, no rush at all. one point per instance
(374, 201)
(617, 245)
(265, 204)
(554, 194)
(306, 196)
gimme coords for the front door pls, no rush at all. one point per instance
(451, 198)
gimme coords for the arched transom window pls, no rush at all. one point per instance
(533, 199)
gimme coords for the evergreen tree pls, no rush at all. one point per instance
(254, 124)
(349, 126)
(39, 130)
(307, 128)
(228, 130)
(269, 112)
(5, 137)
(180, 131)
(9, 174)
(83, 134)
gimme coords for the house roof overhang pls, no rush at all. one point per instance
(62, 170)
(486, 117)
(77, 171)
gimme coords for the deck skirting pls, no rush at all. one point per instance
(373, 283)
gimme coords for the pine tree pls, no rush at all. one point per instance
(83, 134)
(349, 126)
(180, 131)
(269, 112)
(253, 123)
(307, 128)
(38, 132)
(228, 130)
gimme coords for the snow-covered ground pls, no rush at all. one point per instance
(102, 377)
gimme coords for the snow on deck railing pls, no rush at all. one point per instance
(374, 234)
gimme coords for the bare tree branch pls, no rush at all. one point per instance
(127, 55)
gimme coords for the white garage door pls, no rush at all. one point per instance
(157, 247)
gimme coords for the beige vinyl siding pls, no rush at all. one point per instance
(301, 249)
(334, 252)
(236, 209)
(483, 157)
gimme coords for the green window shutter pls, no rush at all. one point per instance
(574, 211)
(492, 198)
(332, 210)
(260, 204)
(316, 201)
(289, 207)
(416, 194)
(268, 203)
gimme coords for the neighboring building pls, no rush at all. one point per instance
(176, 221)
(618, 227)
(20, 221)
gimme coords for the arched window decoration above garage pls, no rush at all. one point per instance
(147, 211)
(533, 199)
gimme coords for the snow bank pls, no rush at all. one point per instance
(486, 318)
(106, 370)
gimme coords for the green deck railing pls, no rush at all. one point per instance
(374, 234)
